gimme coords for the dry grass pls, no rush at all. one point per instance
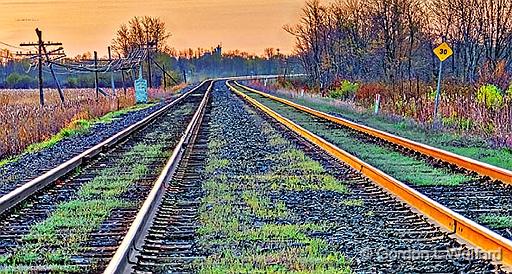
(461, 111)
(23, 122)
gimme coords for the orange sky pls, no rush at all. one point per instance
(88, 25)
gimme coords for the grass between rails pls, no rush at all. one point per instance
(240, 220)
(75, 128)
(58, 238)
(401, 167)
(472, 147)
(496, 221)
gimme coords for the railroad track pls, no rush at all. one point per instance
(207, 210)
(74, 218)
(474, 197)
(240, 180)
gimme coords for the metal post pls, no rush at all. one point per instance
(165, 78)
(40, 65)
(377, 103)
(96, 82)
(185, 76)
(438, 96)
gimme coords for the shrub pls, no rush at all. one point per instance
(490, 96)
(366, 94)
(344, 90)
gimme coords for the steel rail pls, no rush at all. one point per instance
(26, 190)
(461, 226)
(120, 261)
(481, 168)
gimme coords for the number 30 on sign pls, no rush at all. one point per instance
(443, 51)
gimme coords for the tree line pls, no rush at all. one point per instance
(392, 41)
(151, 31)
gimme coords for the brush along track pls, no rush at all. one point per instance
(266, 200)
(77, 224)
(473, 196)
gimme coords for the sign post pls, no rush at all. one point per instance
(442, 52)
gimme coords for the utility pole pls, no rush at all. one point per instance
(96, 80)
(112, 73)
(123, 79)
(40, 64)
(40, 48)
(148, 44)
(163, 71)
(47, 54)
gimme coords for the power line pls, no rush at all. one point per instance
(11, 46)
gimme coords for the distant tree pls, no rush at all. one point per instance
(16, 80)
(138, 32)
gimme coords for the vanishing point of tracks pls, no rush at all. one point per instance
(240, 193)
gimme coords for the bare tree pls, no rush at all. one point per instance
(138, 32)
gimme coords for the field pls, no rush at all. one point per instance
(24, 123)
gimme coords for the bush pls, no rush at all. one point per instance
(491, 96)
(366, 94)
(344, 90)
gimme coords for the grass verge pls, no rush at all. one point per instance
(469, 146)
(75, 128)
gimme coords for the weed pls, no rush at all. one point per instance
(353, 202)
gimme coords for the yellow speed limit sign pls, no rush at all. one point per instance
(443, 51)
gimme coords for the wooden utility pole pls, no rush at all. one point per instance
(124, 84)
(40, 64)
(40, 48)
(47, 54)
(112, 73)
(148, 44)
(96, 82)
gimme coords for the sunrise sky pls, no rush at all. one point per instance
(88, 25)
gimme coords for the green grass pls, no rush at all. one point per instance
(469, 146)
(78, 127)
(496, 221)
(112, 116)
(353, 202)
(57, 238)
(399, 166)
(216, 163)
